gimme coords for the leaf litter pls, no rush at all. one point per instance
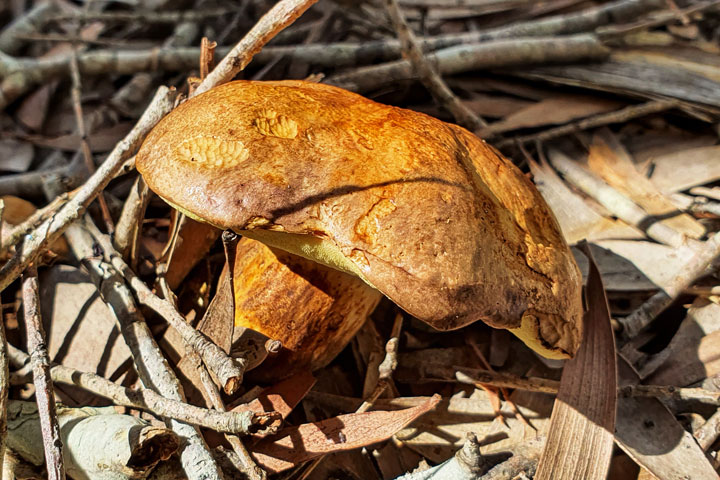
(553, 118)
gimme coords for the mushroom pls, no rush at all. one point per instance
(312, 310)
(421, 210)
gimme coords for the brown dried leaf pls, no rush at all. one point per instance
(81, 332)
(16, 155)
(649, 433)
(553, 111)
(438, 434)
(580, 440)
(282, 397)
(294, 445)
(194, 240)
(611, 161)
(578, 221)
(679, 171)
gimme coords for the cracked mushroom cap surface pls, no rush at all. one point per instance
(420, 209)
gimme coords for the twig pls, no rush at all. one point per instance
(663, 18)
(427, 74)
(475, 5)
(10, 41)
(13, 234)
(153, 369)
(148, 17)
(480, 56)
(4, 379)
(695, 268)
(51, 229)
(227, 370)
(467, 464)
(709, 431)
(471, 376)
(75, 93)
(245, 462)
(241, 423)
(44, 396)
(280, 16)
(618, 116)
(130, 223)
(617, 203)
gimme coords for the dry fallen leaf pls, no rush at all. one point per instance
(577, 219)
(282, 397)
(580, 439)
(679, 171)
(609, 159)
(80, 329)
(649, 433)
(555, 110)
(294, 445)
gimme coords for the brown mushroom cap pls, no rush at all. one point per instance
(377, 191)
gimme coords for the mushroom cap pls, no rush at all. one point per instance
(420, 209)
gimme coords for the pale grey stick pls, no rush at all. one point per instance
(44, 395)
(152, 367)
(241, 423)
(51, 229)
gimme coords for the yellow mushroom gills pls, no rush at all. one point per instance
(421, 210)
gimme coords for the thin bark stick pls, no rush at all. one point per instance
(479, 56)
(130, 222)
(695, 268)
(226, 370)
(614, 201)
(146, 17)
(618, 116)
(13, 234)
(153, 369)
(241, 423)
(472, 376)
(245, 463)
(51, 229)
(4, 381)
(708, 433)
(44, 395)
(282, 14)
(427, 74)
(75, 93)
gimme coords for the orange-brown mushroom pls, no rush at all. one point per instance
(313, 310)
(422, 210)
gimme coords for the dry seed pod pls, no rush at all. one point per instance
(313, 310)
(422, 210)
